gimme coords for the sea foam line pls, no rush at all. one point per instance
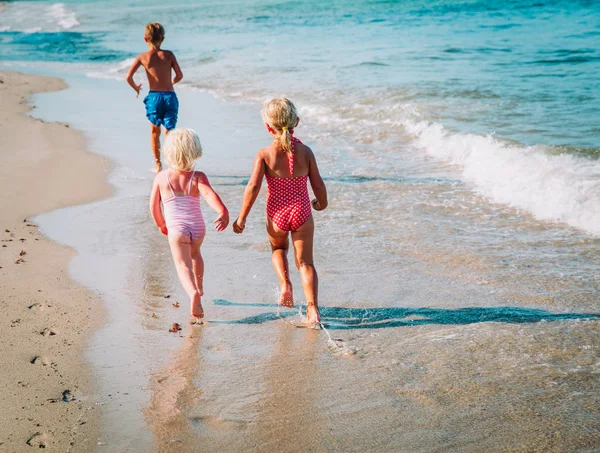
(63, 16)
(560, 188)
(31, 17)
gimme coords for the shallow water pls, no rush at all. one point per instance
(455, 324)
(507, 92)
(458, 267)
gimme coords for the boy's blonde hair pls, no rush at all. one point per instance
(281, 115)
(154, 33)
(182, 148)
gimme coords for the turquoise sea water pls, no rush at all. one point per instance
(506, 91)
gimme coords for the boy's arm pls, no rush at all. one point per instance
(251, 192)
(177, 69)
(317, 184)
(155, 210)
(214, 201)
(134, 67)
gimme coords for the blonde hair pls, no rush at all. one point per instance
(182, 147)
(154, 33)
(281, 115)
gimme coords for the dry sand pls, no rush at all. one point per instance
(47, 385)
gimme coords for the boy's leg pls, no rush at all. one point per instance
(155, 144)
(198, 265)
(279, 246)
(303, 251)
(181, 249)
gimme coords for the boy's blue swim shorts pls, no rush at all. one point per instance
(162, 108)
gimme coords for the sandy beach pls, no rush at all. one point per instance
(47, 318)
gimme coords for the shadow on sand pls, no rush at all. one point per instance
(337, 318)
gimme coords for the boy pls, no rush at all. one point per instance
(161, 103)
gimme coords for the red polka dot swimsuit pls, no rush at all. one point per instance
(288, 203)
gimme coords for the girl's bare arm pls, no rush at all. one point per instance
(155, 210)
(214, 201)
(317, 184)
(251, 192)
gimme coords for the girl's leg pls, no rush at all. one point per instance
(198, 265)
(303, 252)
(181, 249)
(279, 246)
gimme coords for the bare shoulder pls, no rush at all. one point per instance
(143, 58)
(202, 178)
(160, 176)
(264, 153)
(305, 150)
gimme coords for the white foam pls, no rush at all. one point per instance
(63, 16)
(559, 188)
(115, 72)
(33, 17)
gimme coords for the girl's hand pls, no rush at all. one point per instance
(316, 205)
(163, 230)
(222, 221)
(238, 226)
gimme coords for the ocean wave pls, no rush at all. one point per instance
(33, 17)
(567, 60)
(56, 46)
(116, 71)
(560, 188)
(63, 16)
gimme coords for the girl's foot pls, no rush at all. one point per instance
(313, 317)
(286, 297)
(196, 307)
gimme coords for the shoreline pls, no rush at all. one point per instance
(49, 318)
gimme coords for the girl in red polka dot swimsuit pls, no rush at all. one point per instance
(287, 165)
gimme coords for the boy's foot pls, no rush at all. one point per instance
(196, 308)
(286, 297)
(313, 317)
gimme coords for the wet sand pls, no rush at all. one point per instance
(47, 319)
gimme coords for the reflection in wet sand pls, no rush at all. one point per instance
(288, 415)
(173, 390)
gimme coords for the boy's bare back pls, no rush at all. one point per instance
(159, 65)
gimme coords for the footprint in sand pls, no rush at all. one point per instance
(48, 332)
(39, 360)
(38, 440)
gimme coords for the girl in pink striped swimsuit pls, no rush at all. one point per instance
(287, 165)
(179, 188)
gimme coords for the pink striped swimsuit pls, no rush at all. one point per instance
(183, 213)
(288, 203)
